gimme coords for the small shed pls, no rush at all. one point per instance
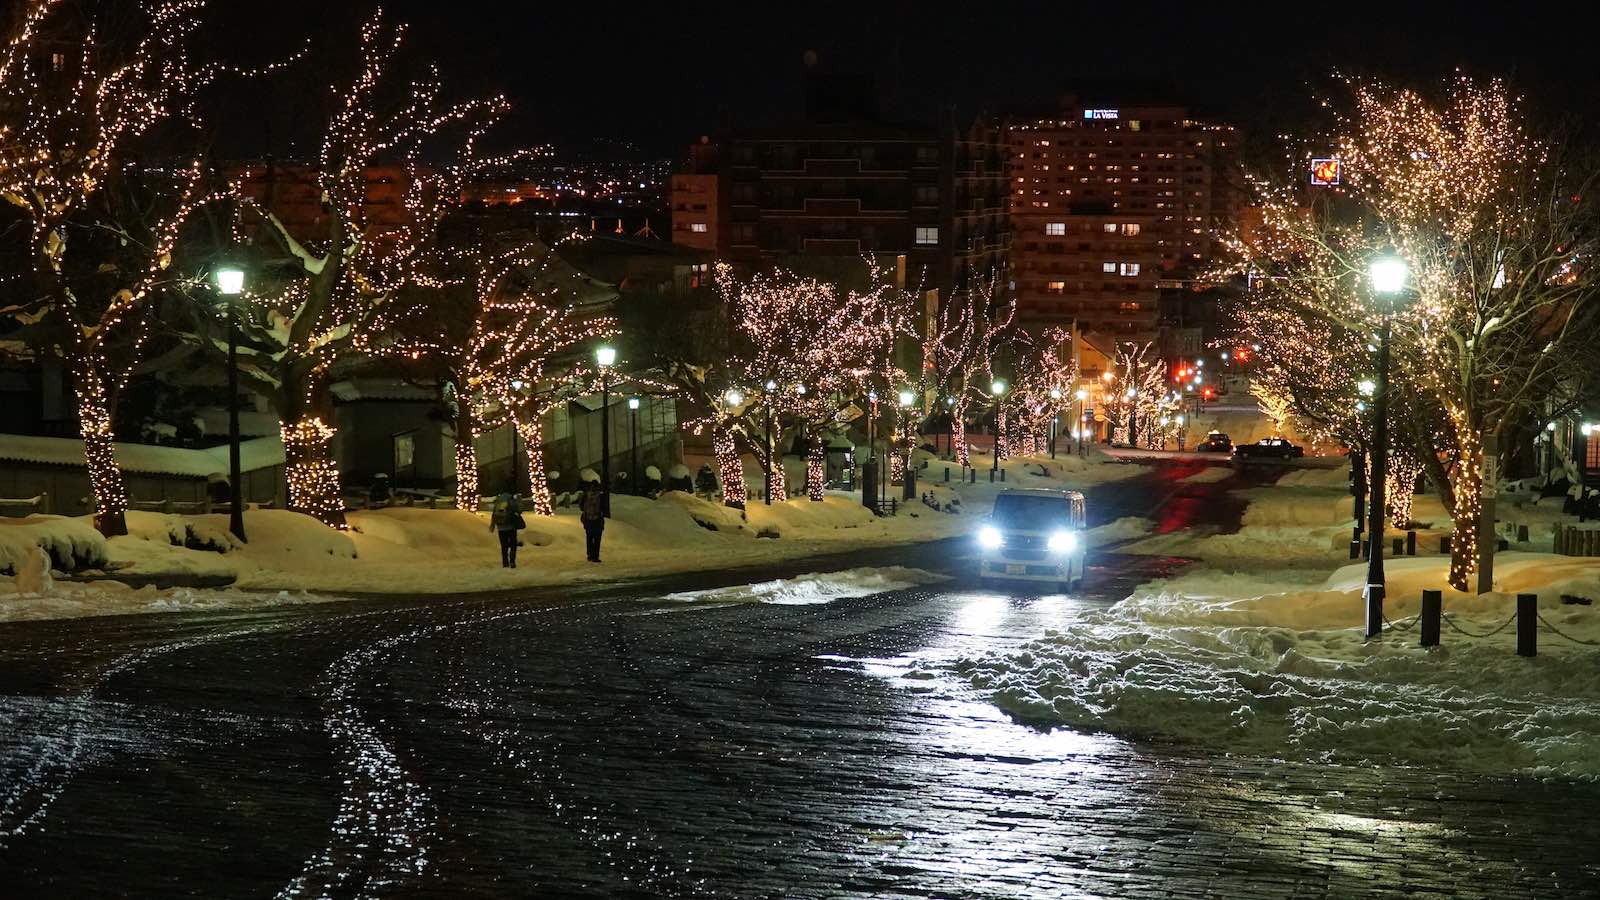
(51, 473)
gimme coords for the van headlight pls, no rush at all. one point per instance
(1063, 542)
(989, 537)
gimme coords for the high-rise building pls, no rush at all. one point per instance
(1107, 205)
(936, 196)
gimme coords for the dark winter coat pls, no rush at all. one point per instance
(507, 515)
(592, 507)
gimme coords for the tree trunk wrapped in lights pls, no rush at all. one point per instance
(1401, 487)
(531, 430)
(780, 486)
(1469, 503)
(1000, 435)
(467, 497)
(105, 478)
(958, 434)
(816, 468)
(729, 467)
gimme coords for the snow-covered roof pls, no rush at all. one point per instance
(381, 389)
(259, 453)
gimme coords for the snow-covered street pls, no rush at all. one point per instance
(873, 723)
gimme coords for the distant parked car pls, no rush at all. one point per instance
(1269, 448)
(1215, 442)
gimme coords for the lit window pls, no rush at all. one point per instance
(1128, 269)
(1130, 229)
(1056, 287)
(1111, 228)
(697, 227)
(927, 235)
(58, 61)
(1109, 268)
(1055, 228)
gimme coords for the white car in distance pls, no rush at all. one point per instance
(1034, 535)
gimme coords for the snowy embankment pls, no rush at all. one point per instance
(407, 550)
(816, 588)
(1270, 661)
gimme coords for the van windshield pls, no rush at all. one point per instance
(1027, 513)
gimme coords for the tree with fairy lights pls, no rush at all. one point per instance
(505, 330)
(1046, 381)
(79, 98)
(956, 353)
(1497, 231)
(350, 282)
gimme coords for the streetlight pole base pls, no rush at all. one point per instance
(1374, 597)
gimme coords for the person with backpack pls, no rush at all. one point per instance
(592, 512)
(507, 520)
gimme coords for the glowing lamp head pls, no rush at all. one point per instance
(1550, 427)
(771, 385)
(1588, 427)
(989, 538)
(998, 387)
(1367, 387)
(800, 389)
(230, 281)
(907, 398)
(1083, 394)
(1055, 393)
(733, 397)
(605, 355)
(633, 402)
(1388, 274)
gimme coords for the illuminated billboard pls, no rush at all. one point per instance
(1101, 114)
(1325, 171)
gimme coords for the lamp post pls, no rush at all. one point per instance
(1388, 275)
(869, 468)
(605, 356)
(230, 284)
(908, 478)
(1055, 418)
(998, 388)
(1083, 413)
(633, 442)
(517, 385)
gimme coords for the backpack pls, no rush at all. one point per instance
(593, 507)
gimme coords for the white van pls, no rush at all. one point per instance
(1034, 536)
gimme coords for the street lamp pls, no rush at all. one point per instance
(1083, 416)
(998, 389)
(1388, 275)
(605, 356)
(633, 441)
(230, 284)
(1055, 417)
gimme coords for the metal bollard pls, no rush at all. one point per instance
(1002, 475)
(991, 476)
(1432, 611)
(1411, 543)
(1374, 609)
(1355, 549)
(1527, 622)
(1399, 546)
(946, 474)
(1444, 545)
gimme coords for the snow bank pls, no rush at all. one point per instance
(1238, 662)
(72, 543)
(816, 588)
(70, 600)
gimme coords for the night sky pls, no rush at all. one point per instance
(657, 75)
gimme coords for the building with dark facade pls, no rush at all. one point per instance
(936, 196)
(1107, 204)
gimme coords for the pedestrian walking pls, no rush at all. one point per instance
(591, 510)
(506, 520)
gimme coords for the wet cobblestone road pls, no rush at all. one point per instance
(612, 744)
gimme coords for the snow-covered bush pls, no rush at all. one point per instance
(73, 544)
